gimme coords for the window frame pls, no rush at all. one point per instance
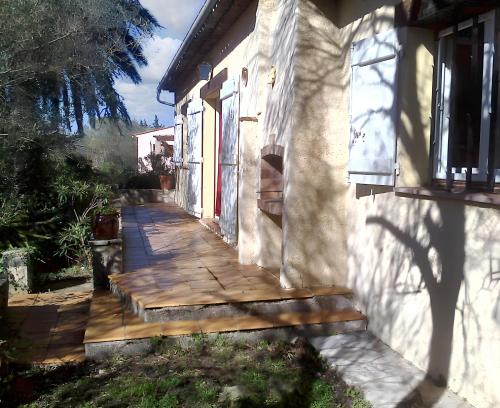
(443, 82)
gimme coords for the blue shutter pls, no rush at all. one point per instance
(229, 159)
(178, 140)
(194, 156)
(372, 146)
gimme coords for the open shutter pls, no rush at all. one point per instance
(194, 156)
(372, 147)
(229, 159)
(178, 140)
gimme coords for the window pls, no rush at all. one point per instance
(463, 101)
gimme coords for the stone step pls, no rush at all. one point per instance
(168, 306)
(112, 326)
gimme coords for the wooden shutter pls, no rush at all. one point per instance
(178, 140)
(372, 147)
(229, 159)
(194, 156)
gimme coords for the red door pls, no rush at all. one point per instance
(219, 167)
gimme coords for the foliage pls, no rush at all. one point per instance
(59, 59)
(156, 123)
(112, 149)
(143, 181)
(160, 164)
(199, 375)
(58, 63)
(46, 199)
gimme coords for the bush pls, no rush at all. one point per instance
(144, 181)
(46, 200)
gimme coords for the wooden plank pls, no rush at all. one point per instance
(211, 88)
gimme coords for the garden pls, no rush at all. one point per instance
(204, 373)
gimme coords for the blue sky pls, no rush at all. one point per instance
(176, 16)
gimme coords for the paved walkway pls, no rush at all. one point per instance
(172, 260)
(47, 328)
(383, 375)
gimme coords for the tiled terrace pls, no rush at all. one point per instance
(48, 328)
(172, 261)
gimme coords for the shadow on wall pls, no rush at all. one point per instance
(316, 153)
(441, 279)
(430, 238)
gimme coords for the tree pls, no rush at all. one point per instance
(59, 59)
(156, 123)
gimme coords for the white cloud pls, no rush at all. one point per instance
(175, 15)
(140, 99)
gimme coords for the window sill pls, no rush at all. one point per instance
(468, 197)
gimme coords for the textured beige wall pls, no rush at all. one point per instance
(424, 271)
(426, 274)
(248, 44)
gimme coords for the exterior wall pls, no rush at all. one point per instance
(245, 45)
(145, 141)
(424, 271)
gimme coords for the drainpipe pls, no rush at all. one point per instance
(158, 92)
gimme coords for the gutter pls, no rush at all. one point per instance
(205, 11)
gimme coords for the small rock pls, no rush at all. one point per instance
(280, 390)
(232, 395)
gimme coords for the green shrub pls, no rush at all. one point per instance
(144, 181)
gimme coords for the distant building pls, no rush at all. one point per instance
(153, 141)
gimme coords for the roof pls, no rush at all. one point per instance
(167, 138)
(157, 132)
(215, 18)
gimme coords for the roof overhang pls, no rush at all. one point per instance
(215, 18)
(438, 13)
(167, 131)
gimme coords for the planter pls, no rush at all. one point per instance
(167, 182)
(105, 226)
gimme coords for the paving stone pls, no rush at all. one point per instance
(383, 375)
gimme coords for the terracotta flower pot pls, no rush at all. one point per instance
(106, 226)
(167, 182)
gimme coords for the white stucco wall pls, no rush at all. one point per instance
(145, 141)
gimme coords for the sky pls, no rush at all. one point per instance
(176, 17)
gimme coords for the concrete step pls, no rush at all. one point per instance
(164, 307)
(113, 328)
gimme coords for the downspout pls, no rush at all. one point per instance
(158, 92)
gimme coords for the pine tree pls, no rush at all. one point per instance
(156, 123)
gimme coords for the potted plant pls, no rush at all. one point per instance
(164, 167)
(167, 176)
(106, 223)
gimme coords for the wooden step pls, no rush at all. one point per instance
(109, 321)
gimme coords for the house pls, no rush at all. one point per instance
(356, 142)
(153, 141)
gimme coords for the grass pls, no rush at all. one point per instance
(265, 374)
